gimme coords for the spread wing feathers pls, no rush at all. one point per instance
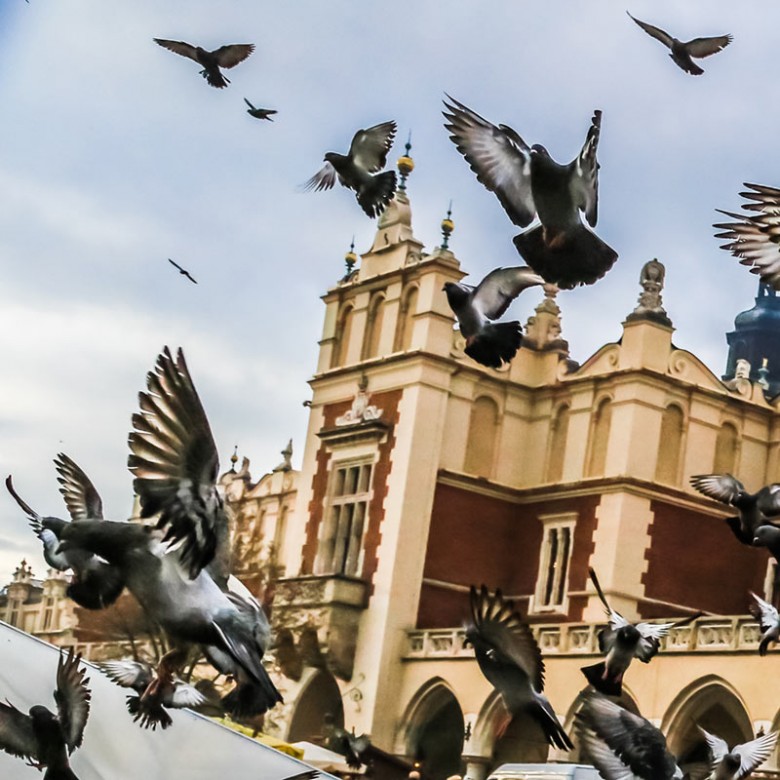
(585, 184)
(616, 620)
(36, 521)
(185, 695)
(324, 179)
(16, 733)
(81, 498)
(128, 674)
(751, 754)
(721, 487)
(509, 636)
(764, 612)
(369, 148)
(174, 460)
(178, 47)
(72, 697)
(609, 766)
(229, 56)
(655, 32)
(499, 157)
(500, 287)
(704, 47)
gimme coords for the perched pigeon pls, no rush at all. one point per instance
(260, 113)
(529, 183)
(623, 641)
(224, 57)
(510, 659)
(182, 271)
(357, 170)
(741, 760)
(46, 739)
(622, 745)
(769, 620)
(475, 307)
(155, 691)
(683, 52)
(95, 584)
(768, 536)
(755, 238)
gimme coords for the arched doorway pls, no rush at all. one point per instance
(319, 697)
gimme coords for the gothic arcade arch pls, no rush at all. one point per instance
(319, 696)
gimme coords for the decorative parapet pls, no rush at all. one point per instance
(729, 634)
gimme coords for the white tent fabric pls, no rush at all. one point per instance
(193, 748)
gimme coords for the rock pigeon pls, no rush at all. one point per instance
(529, 183)
(357, 170)
(490, 343)
(769, 619)
(621, 744)
(623, 641)
(510, 659)
(260, 113)
(224, 57)
(43, 738)
(755, 238)
(95, 584)
(683, 52)
(155, 690)
(182, 271)
(741, 760)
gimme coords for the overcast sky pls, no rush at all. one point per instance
(115, 155)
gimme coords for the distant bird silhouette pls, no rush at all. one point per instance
(43, 738)
(357, 170)
(182, 271)
(260, 113)
(683, 52)
(224, 57)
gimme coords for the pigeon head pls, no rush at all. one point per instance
(628, 635)
(538, 149)
(766, 535)
(457, 294)
(41, 715)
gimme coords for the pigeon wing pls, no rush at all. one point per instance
(324, 179)
(721, 487)
(498, 156)
(81, 498)
(229, 56)
(609, 766)
(178, 47)
(72, 697)
(369, 148)
(769, 500)
(718, 747)
(16, 733)
(500, 287)
(128, 674)
(704, 47)
(584, 183)
(185, 695)
(752, 754)
(655, 32)
(765, 612)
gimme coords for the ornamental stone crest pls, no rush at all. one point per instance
(361, 410)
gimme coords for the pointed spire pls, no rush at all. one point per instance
(350, 259)
(405, 164)
(447, 227)
(234, 460)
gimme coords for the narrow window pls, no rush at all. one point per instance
(559, 431)
(342, 337)
(481, 444)
(599, 439)
(405, 328)
(551, 594)
(668, 463)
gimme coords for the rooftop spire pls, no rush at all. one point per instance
(405, 164)
(447, 226)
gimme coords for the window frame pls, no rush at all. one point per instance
(552, 577)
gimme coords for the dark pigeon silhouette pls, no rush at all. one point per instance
(769, 620)
(682, 53)
(182, 271)
(224, 57)
(490, 343)
(358, 169)
(260, 113)
(529, 183)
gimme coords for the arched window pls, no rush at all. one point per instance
(726, 450)
(668, 463)
(405, 329)
(481, 444)
(376, 312)
(599, 439)
(559, 431)
(342, 336)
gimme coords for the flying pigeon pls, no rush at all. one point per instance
(357, 170)
(683, 52)
(43, 738)
(96, 584)
(623, 641)
(529, 183)
(488, 343)
(260, 113)
(622, 745)
(224, 57)
(156, 691)
(510, 659)
(755, 238)
(769, 620)
(182, 271)
(741, 760)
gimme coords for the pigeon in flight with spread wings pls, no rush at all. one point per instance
(623, 641)
(486, 342)
(682, 52)
(224, 57)
(741, 760)
(510, 659)
(358, 169)
(529, 183)
(769, 620)
(43, 738)
(182, 271)
(754, 239)
(260, 113)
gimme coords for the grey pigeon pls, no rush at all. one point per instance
(182, 271)
(683, 52)
(741, 760)
(529, 183)
(358, 169)
(224, 57)
(510, 659)
(43, 738)
(623, 641)
(754, 239)
(486, 342)
(769, 619)
(260, 113)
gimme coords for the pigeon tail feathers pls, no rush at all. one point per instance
(248, 699)
(374, 197)
(497, 342)
(595, 675)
